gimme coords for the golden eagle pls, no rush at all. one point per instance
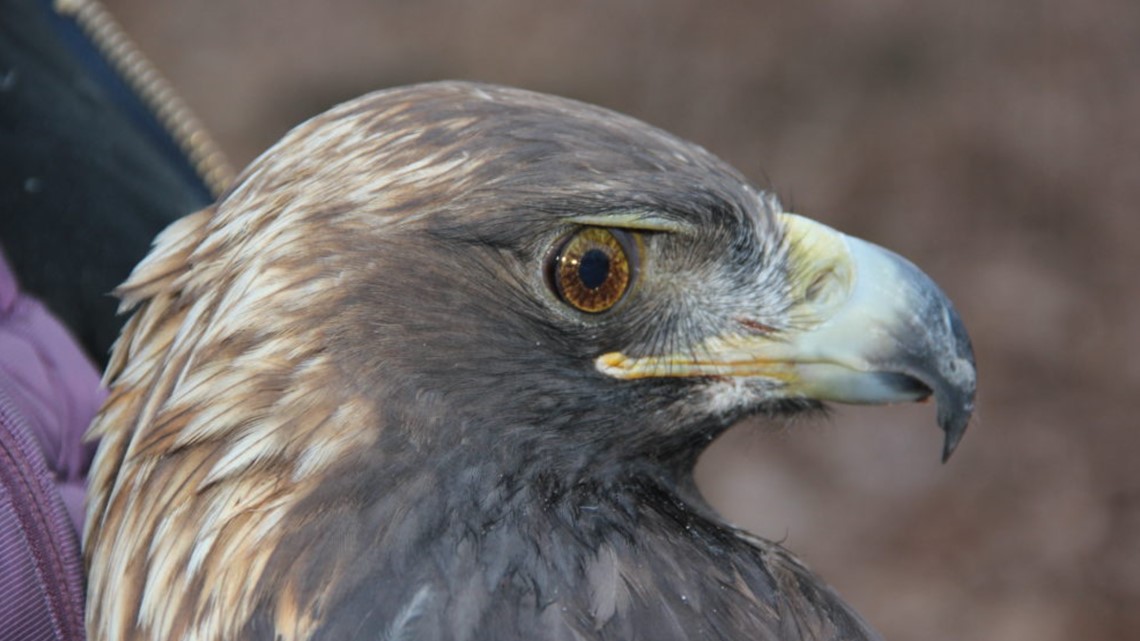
(440, 364)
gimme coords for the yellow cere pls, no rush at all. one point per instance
(822, 269)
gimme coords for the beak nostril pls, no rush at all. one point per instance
(821, 286)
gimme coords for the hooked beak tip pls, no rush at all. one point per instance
(954, 421)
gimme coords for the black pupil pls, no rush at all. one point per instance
(593, 268)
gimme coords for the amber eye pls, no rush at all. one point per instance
(591, 270)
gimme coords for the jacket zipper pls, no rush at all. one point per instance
(153, 90)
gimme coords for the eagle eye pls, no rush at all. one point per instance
(591, 269)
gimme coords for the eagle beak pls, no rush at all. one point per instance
(866, 327)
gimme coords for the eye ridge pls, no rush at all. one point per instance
(591, 269)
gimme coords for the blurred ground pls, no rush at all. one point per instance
(995, 144)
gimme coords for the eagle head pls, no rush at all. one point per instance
(439, 366)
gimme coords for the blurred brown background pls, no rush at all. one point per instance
(996, 144)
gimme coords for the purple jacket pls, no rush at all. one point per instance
(49, 391)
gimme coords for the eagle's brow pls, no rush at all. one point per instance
(637, 220)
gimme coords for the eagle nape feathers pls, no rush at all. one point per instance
(439, 366)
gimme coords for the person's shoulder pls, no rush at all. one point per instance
(48, 393)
